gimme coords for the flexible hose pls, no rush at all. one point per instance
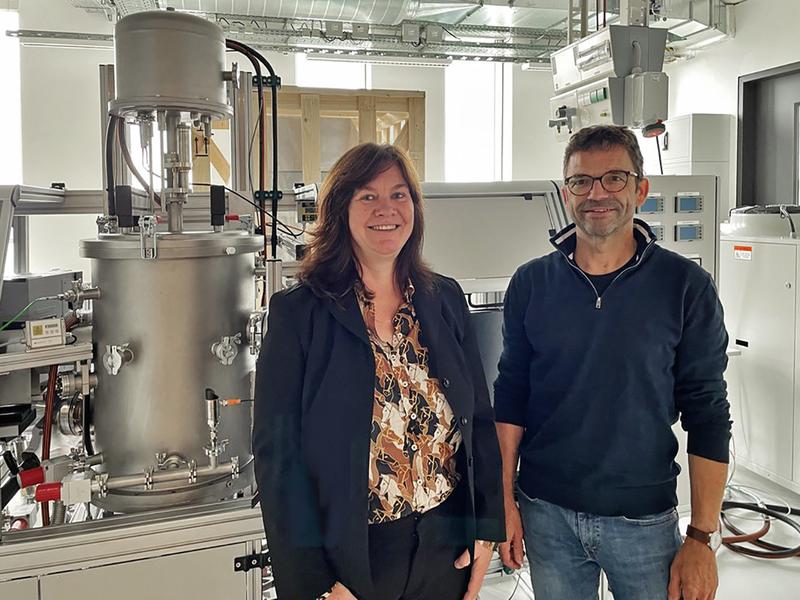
(50, 401)
(110, 130)
(770, 551)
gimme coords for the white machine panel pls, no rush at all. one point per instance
(758, 282)
(487, 230)
(200, 575)
(21, 589)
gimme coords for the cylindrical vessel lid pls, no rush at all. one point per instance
(172, 245)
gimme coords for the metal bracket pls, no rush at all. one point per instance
(251, 561)
(267, 194)
(267, 80)
(148, 236)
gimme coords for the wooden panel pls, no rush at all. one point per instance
(219, 162)
(366, 119)
(416, 134)
(201, 165)
(310, 138)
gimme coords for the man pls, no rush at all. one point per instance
(606, 342)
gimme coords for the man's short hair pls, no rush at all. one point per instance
(603, 137)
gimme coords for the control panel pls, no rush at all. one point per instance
(682, 212)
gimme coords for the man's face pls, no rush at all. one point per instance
(601, 213)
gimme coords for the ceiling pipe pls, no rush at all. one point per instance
(584, 18)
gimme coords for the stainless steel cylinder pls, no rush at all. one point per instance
(165, 315)
(167, 60)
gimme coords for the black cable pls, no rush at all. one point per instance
(85, 425)
(249, 53)
(286, 229)
(660, 164)
(274, 100)
(110, 131)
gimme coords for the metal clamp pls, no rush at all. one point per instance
(102, 484)
(79, 293)
(148, 236)
(226, 349)
(148, 478)
(116, 357)
(255, 330)
(107, 224)
(193, 471)
(246, 223)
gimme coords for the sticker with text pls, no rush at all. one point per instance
(743, 252)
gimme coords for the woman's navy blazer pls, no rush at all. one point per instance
(311, 441)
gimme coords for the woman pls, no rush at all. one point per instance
(376, 453)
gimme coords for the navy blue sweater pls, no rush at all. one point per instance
(598, 381)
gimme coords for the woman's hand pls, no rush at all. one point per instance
(483, 555)
(339, 592)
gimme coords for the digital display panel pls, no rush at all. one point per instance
(685, 204)
(688, 233)
(653, 204)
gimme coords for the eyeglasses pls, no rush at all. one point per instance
(612, 181)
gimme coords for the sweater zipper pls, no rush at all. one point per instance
(599, 303)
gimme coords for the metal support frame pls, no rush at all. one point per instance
(241, 132)
(21, 235)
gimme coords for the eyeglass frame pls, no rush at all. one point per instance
(600, 179)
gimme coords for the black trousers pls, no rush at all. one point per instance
(412, 558)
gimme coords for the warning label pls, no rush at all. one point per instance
(743, 252)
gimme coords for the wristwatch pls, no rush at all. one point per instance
(713, 539)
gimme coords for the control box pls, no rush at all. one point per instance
(45, 333)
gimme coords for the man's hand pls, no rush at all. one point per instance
(483, 555)
(693, 575)
(512, 551)
(340, 592)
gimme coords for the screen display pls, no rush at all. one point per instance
(687, 233)
(689, 204)
(653, 204)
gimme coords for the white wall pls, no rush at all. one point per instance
(61, 131)
(535, 153)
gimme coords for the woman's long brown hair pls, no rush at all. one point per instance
(329, 266)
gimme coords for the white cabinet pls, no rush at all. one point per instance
(19, 589)
(695, 144)
(758, 283)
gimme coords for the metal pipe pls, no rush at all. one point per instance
(241, 132)
(570, 22)
(584, 18)
(274, 277)
(59, 512)
(126, 481)
(22, 251)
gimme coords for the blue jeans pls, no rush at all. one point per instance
(567, 549)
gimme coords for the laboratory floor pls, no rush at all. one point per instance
(741, 577)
